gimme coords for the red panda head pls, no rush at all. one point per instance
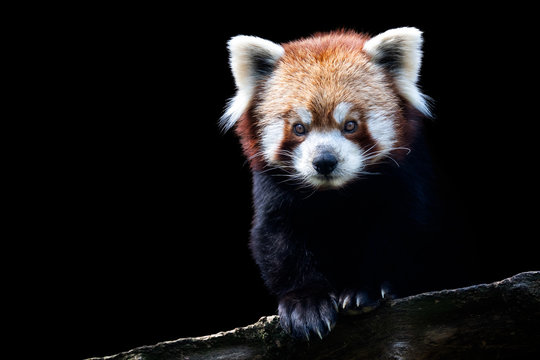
(326, 108)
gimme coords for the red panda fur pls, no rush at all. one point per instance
(318, 73)
(343, 194)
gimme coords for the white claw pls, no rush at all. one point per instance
(319, 333)
(328, 325)
(346, 301)
(360, 298)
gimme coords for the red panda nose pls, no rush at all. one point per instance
(325, 163)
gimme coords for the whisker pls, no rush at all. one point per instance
(366, 151)
(391, 158)
(384, 153)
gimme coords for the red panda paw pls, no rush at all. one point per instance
(306, 316)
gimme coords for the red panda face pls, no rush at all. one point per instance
(327, 108)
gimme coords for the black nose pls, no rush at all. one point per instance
(325, 163)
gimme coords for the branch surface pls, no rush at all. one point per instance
(500, 320)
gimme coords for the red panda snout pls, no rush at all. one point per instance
(325, 163)
(326, 159)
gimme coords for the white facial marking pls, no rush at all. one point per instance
(305, 115)
(381, 126)
(341, 111)
(349, 156)
(272, 135)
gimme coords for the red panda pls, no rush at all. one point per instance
(331, 127)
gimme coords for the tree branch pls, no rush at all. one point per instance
(489, 321)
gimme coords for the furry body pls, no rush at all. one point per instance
(342, 183)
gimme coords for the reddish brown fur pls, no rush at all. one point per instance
(318, 73)
(245, 129)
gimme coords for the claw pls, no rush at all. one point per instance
(346, 301)
(360, 298)
(306, 318)
(386, 290)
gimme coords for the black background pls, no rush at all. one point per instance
(154, 200)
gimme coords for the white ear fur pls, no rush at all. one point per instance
(400, 51)
(250, 59)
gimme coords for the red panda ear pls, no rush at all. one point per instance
(251, 58)
(399, 51)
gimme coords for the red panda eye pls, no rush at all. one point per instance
(350, 126)
(299, 129)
